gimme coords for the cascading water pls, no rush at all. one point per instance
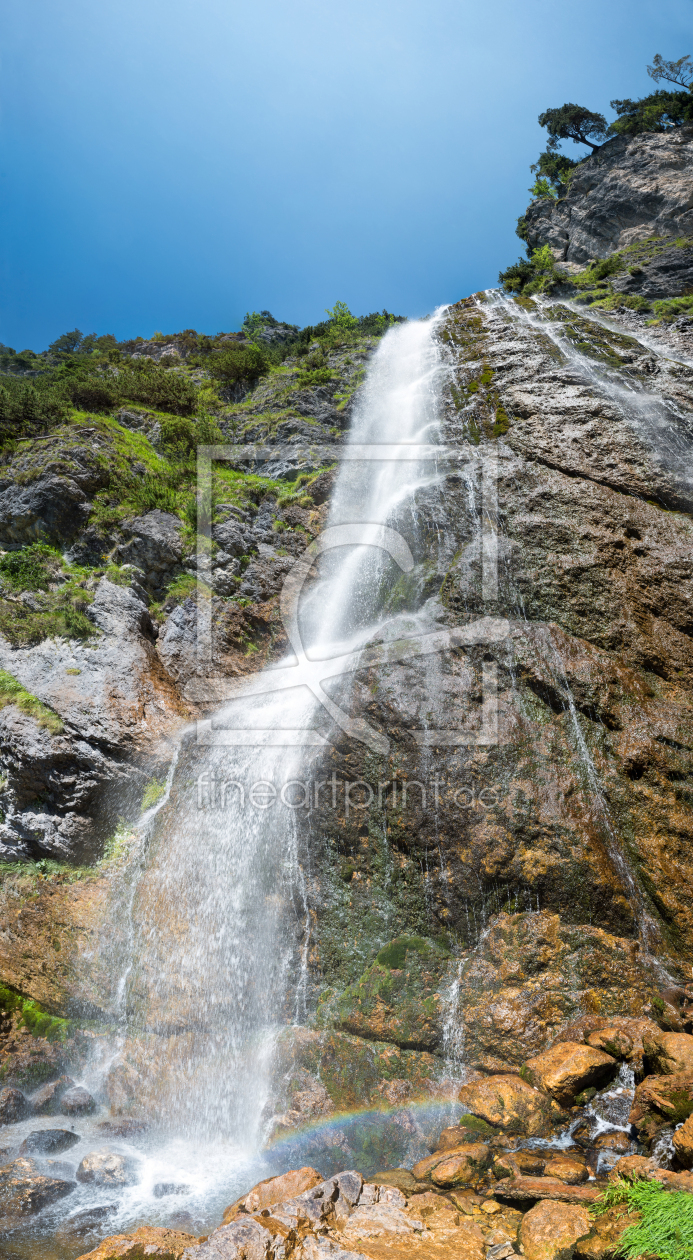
(220, 928)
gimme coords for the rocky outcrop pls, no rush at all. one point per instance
(119, 712)
(631, 189)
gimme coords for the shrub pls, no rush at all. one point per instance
(668, 308)
(95, 394)
(515, 278)
(27, 570)
(158, 387)
(238, 363)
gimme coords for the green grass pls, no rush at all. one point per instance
(666, 1227)
(669, 308)
(12, 692)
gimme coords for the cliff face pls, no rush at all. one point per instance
(631, 189)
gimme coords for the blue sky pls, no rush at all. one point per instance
(173, 163)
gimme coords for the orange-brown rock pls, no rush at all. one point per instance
(566, 1169)
(612, 1040)
(632, 1167)
(519, 1163)
(509, 1103)
(550, 1230)
(683, 1143)
(474, 1153)
(568, 1067)
(668, 1053)
(273, 1190)
(462, 1168)
(523, 1188)
(149, 1240)
(659, 1100)
(602, 1240)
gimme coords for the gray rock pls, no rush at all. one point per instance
(51, 509)
(107, 1168)
(13, 1105)
(48, 1142)
(163, 1189)
(86, 1223)
(77, 1102)
(243, 1240)
(155, 548)
(24, 1190)
(234, 538)
(177, 642)
(46, 1099)
(633, 188)
(667, 275)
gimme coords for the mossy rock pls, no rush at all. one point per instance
(397, 999)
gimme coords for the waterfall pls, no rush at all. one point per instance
(220, 923)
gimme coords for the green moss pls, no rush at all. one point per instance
(468, 1121)
(394, 955)
(12, 692)
(33, 1016)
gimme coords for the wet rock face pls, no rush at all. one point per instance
(631, 189)
(580, 809)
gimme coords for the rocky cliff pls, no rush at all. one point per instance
(631, 189)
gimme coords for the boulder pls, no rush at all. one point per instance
(509, 1103)
(50, 509)
(24, 1189)
(77, 1101)
(13, 1105)
(519, 1163)
(155, 548)
(668, 1053)
(567, 1068)
(45, 1102)
(566, 1169)
(84, 1225)
(522, 1188)
(48, 1142)
(612, 1040)
(659, 1100)
(274, 1190)
(107, 1168)
(683, 1143)
(550, 1230)
(148, 1240)
(463, 1167)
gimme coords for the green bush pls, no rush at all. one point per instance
(238, 363)
(666, 1226)
(153, 793)
(28, 569)
(160, 388)
(94, 394)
